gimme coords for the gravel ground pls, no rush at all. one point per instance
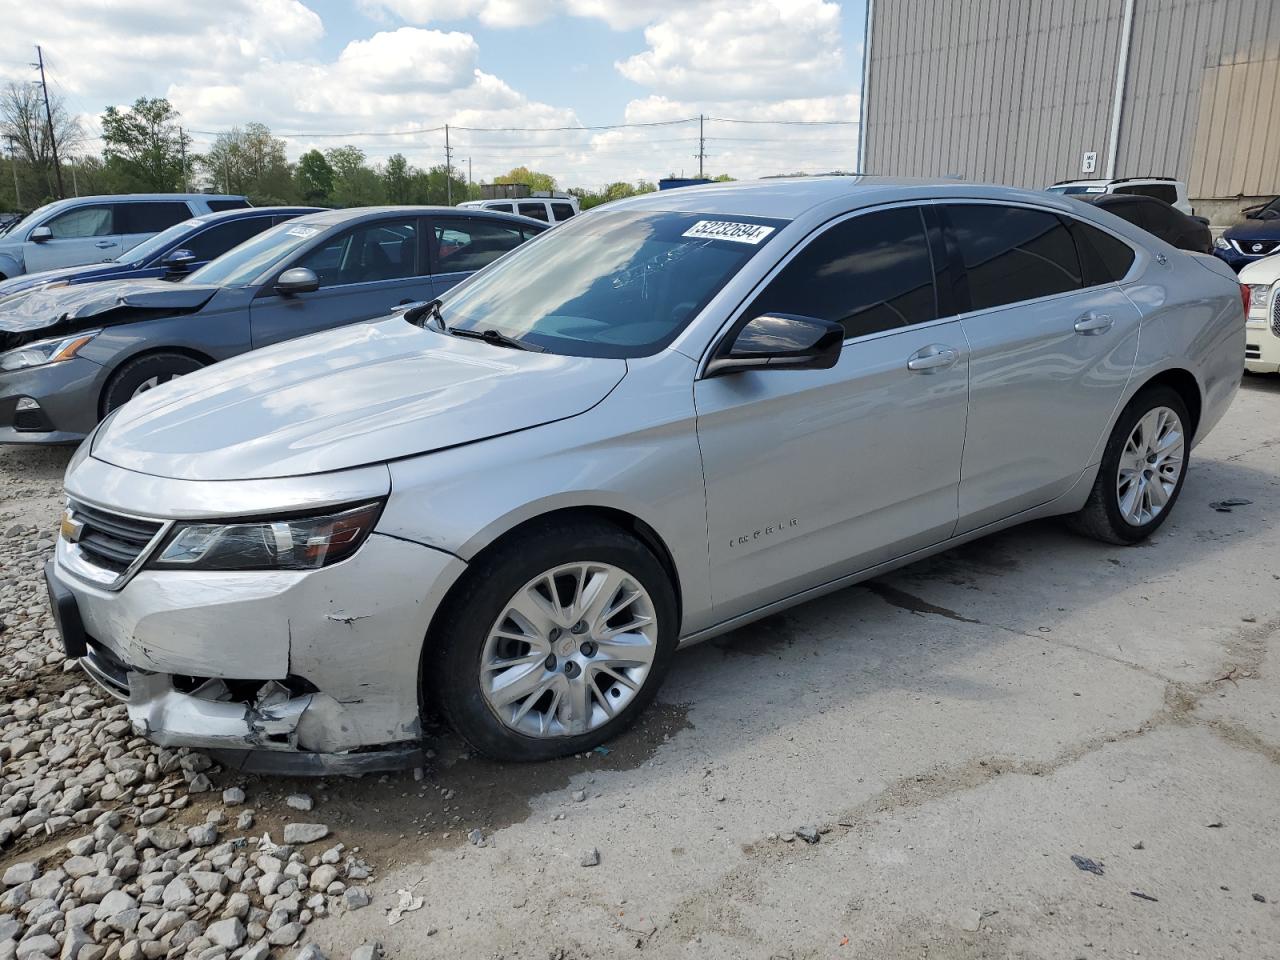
(1033, 746)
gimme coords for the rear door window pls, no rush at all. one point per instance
(150, 217)
(462, 245)
(870, 273)
(536, 210)
(1012, 253)
(1103, 258)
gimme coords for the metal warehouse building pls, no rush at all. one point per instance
(1029, 92)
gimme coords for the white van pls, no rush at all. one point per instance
(555, 209)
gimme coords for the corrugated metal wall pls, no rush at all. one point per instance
(1016, 91)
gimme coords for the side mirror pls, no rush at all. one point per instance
(40, 235)
(178, 261)
(781, 341)
(297, 280)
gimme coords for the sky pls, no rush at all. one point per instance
(393, 71)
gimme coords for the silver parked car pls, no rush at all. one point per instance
(655, 423)
(79, 230)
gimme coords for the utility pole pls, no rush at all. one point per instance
(469, 180)
(702, 145)
(75, 184)
(48, 115)
(182, 152)
(448, 168)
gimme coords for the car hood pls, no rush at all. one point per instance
(1254, 230)
(1264, 271)
(62, 311)
(361, 394)
(92, 271)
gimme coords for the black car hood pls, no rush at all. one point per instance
(61, 311)
(1254, 230)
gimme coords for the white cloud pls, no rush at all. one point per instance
(772, 49)
(617, 14)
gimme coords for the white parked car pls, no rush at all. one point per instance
(69, 233)
(555, 209)
(1262, 334)
(1172, 192)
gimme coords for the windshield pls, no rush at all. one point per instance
(612, 284)
(157, 244)
(241, 265)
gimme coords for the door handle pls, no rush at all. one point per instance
(103, 244)
(1092, 324)
(931, 358)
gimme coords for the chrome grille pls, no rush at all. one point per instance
(1246, 247)
(109, 540)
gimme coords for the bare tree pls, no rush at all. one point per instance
(22, 118)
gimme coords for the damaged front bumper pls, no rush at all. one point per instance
(285, 671)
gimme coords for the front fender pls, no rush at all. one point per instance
(11, 265)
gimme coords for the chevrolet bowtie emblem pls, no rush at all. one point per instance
(70, 528)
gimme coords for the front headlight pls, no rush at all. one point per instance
(1259, 298)
(45, 351)
(1222, 243)
(290, 543)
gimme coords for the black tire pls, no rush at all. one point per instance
(132, 374)
(1101, 517)
(452, 667)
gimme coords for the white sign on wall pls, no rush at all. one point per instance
(1089, 163)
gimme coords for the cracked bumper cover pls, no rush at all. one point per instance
(298, 671)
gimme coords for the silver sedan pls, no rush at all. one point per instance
(653, 424)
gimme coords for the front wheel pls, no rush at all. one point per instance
(135, 377)
(555, 643)
(1142, 471)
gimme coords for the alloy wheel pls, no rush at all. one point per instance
(152, 382)
(569, 651)
(1150, 466)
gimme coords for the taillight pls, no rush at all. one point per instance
(1245, 297)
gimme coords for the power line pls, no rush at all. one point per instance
(794, 123)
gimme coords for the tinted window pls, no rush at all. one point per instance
(1012, 253)
(216, 205)
(536, 210)
(562, 211)
(244, 264)
(466, 245)
(218, 239)
(387, 250)
(82, 222)
(150, 217)
(1103, 258)
(869, 273)
(504, 207)
(1161, 191)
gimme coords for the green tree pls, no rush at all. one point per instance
(434, 186)
(354, 183)
(143, 145)
(250, 161)
(25, 130)
(538, 182)
(314, 178)
(396, 178)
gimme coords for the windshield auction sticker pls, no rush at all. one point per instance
(303, 232)
(751, 233)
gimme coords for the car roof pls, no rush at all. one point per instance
(329, 218)
(240, 213)
(790, 197)
(120, 197)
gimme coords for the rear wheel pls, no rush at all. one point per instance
(137, 376)
(555, 643)
(1142, 471)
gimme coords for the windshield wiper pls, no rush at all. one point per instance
(495, 337)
